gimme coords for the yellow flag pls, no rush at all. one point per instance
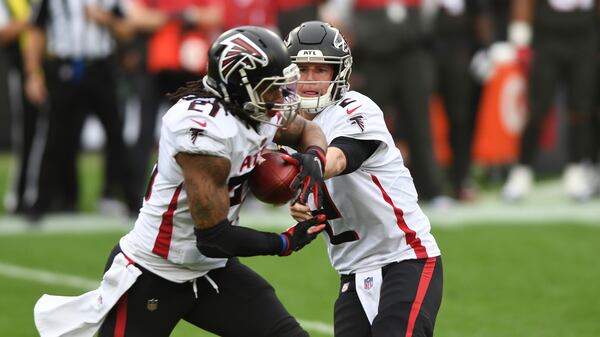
(20, 10)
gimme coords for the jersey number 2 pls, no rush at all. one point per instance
(331, 211)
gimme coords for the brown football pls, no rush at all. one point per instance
(270, 180)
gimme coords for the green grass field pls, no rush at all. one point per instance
(499, 280)
(530, 278)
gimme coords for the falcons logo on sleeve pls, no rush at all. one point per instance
(240, 52)
(194, 133)
(358, 120)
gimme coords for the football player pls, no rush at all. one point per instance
(185, 238)
(378, 238)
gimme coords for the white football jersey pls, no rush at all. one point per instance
(373, 215)
(163, 239)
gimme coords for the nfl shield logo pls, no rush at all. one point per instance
(345, 287)
(152, 304)
(368, 283)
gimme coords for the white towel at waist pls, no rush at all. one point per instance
(368, 289)
(81, 316)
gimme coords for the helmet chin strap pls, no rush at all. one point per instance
(312, 111)
(209, 85)
(314, 105)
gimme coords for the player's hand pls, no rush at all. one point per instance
(98, 15)
(310, 178)
(35, 88)
(300, 212)
(302, 234)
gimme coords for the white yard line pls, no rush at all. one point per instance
(47, 277)
(75, 223)
(315, 326)
(546, 205)
(483, 213)
(85, 284)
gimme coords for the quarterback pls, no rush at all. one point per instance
(379, 240)
(179, 261)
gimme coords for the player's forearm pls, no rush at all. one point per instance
(145, 19)
(215, 236)
(205, 17)
(484, 28)
(209, 204)
(336, 162)
(225, 240)
(522, 10)
(34, 51)
(123, 30)
(312, 135)
(301, 134)
(519, 29)
(205, 181)
(11, 31)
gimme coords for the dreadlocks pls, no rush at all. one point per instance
(191, 88)
(195, 89)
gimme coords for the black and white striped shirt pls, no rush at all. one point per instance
(70, 34)
(4, 15)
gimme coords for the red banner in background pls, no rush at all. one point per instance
(175, 48)
(440, 131)
(500, 121)
(501, 117)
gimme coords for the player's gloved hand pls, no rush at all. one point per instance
(310, 178)
(301, 234)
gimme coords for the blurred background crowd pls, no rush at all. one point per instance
(474, 91)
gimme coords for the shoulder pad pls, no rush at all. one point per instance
(200, 113)
(356, 103)
(355, 116)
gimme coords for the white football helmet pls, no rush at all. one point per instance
(319, 42)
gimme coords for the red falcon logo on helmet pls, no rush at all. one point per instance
(240, 52)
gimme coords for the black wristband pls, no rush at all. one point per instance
(319, 152)
(225, 240)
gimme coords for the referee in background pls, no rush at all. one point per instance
(23, 115)
(69, 67)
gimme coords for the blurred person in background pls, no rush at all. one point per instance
(14, 15)
(596, 124)
(262, 13)
(462, 29)
(69, 69)
(558, 40)
(501, 14)
(596, 150)
(179, 261)
(172, 44)
(378, 238)
(394, 66)
(291, 13)
(596, 141)
(175, 37)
